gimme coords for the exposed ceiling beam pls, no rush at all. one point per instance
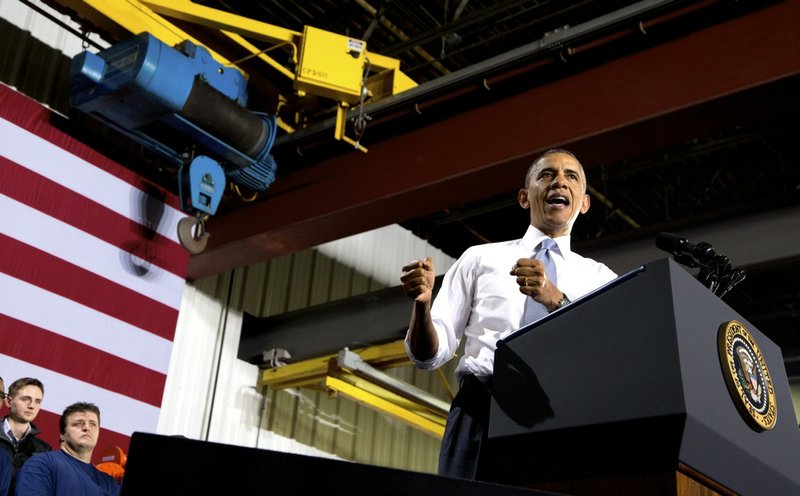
(742, 69)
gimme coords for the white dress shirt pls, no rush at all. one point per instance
(480, 298)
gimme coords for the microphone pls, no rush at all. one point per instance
(685, 253)
(716, 271)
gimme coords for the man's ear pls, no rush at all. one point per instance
(585, 203)
(522, 198)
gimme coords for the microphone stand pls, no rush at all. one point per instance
(716, 271)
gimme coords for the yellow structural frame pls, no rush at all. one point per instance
(322, 372)
(186, 10)
(375, 402)
(137, 16)
(120, 16)
(396, 399)
(313, 371)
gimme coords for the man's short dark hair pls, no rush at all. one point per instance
(545, 154)
(21, 383)
(79, 407)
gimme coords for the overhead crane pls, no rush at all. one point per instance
(174, 80)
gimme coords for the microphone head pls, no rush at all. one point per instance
(669, 242)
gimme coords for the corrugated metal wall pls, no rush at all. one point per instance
(211, 394)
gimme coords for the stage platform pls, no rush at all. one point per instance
(172, 465)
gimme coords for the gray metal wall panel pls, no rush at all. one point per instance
(335, 425)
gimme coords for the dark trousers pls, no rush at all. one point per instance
(466, 430)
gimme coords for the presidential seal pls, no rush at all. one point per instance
(747, 376)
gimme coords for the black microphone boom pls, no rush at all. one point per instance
(685, 253)
(716, 271)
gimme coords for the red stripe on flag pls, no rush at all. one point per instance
(69, 358)
(41, 269)
(54, 352)
(47, 422)
(58, 202)
(33, 117)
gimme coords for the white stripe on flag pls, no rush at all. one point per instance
(72, 172)
(77, 247)
(118, 413)
(28, 303)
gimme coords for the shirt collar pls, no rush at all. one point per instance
(534, 236)
(10, 433)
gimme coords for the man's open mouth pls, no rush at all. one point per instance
(558, 200)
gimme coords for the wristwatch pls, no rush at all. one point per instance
(564, 301)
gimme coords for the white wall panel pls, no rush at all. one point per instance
(195, 352)
(381, 253)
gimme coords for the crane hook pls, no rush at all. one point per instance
(192, 234)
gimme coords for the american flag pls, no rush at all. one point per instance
(89, 289)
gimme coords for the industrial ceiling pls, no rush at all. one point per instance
(684, 113)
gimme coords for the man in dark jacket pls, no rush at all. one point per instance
(18, 434)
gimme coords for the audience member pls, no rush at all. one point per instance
(18, 436)
(69, 471)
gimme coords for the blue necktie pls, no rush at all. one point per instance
(534, 310)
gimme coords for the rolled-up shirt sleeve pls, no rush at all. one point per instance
(450, 312)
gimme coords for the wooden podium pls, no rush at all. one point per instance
(626, 392)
